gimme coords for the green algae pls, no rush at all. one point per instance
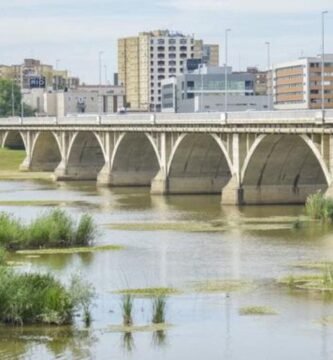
(257, 310)
(76, 250)
(138, 328)
(149, 292)
(221, 286)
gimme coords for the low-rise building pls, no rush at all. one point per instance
(33, 73)
(89, 99)
(204, 90)
(298, 84)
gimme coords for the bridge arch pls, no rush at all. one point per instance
(13, 139)
(85, 156)
(199, 163)
(283, 169)
(45, 152)
(135, 160)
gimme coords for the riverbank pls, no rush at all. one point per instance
(10, 161)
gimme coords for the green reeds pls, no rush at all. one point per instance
(159, 305)
(127, 308)
(2, 256)
(319, 207)
(39, 299)
(52, 229)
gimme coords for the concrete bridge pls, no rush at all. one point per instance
(249, 157)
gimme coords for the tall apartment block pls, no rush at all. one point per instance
(298, 84)
(145, 60)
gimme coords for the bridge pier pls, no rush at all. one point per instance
(232, 193)
(160, 184)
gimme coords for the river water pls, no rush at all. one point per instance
(179, 242)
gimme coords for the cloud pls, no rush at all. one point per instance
(251, 6)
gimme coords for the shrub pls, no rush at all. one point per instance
(2, 256)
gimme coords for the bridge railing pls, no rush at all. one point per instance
(310, 117)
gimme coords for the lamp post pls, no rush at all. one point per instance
(226, 72)
(100, 53)
(22, 104)
(323, 13)
(268, 44)
(57, 76)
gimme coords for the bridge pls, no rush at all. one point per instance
(249, 158)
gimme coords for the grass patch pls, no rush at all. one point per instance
(319, 207)
(257, 310)
(221, 286)
(72, 250)
(149, 292)
(11, 159)
(138, 328)
(40, 299)
(52, 229)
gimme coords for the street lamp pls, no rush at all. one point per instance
(268, 44)
(57, 76)
(323, 13)
(100, 53)
(226, 71)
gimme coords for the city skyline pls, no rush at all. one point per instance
(74, 31)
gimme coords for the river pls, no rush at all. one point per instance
(178, 242)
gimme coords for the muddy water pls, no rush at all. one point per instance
(178, 242)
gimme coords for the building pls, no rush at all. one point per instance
(89, 99)
(32, 73)
(147, 59)
(204, 90)
(298, 84)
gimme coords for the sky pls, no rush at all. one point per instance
(74, 31)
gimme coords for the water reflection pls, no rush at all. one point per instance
(128, 341)
(159, 338)
(58, 342)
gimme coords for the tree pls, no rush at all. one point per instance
(10, 95)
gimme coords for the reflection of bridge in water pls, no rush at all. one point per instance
(249, 157)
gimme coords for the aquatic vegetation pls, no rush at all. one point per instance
(221, 286)
(159, 305)
(127, 308)
(318, 282)
(138, 328)
(149, 292)
(36, 298)
(319, 207)
(53, 228)
(72, 250)
(319, 265)
(257, 310)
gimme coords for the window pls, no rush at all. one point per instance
(160, 56)
(160, 48)
(172, 63)
(183, 48)
(172, 48)
(160, 63)
(172, 41)
(182, 41)
(160, 41)
(172, 56)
